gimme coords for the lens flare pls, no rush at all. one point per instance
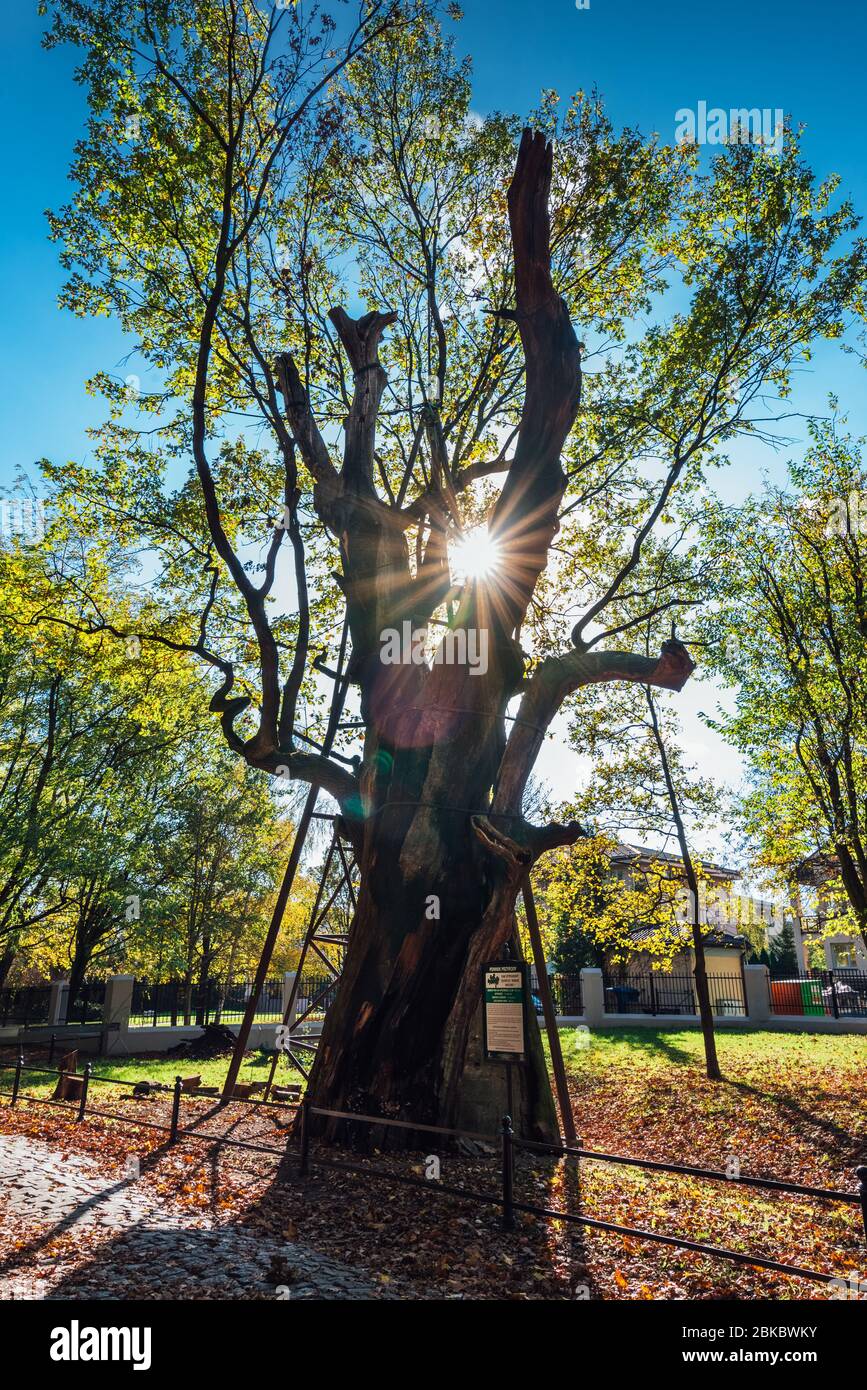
(474, 555)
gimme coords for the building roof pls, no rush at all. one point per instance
(817, 868)
(626, 854)
(717, 936)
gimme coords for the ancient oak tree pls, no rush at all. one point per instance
(245, 170)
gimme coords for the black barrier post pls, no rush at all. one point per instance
(85, 1082)
(861, 1175)
(508, 1175)
(304, 1167)
(51, 1048)
(176, 1110)
(16, 1080)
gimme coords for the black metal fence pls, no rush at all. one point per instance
(652, 992)
(88, 1005)
(26, 1004)
(29, 1005)
(315, 996)
(173, 1003)
(565, 993)
(510, 1145)
(821, 993)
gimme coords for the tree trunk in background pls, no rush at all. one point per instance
(6, 965)
(204, 973)
(188, 994)
(702, 990)
(705, 1008)
(77, 971)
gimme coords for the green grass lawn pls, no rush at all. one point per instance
(598, 1054)
(790, 1106)
(660, 1049)
(161, 1068)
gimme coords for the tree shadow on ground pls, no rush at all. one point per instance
(163, 1254)
(843, 1145)
(660, 1042)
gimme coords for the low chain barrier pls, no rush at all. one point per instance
(508, 1142)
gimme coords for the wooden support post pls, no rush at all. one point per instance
(289, 1011)
(176, 1110)
(304, 1165)
(68, 1067)
(861, 1175)
(268, 946)
(567, 1118)
(85, 1082)
(270, 942)
(16, 1080)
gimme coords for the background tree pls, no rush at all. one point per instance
(219, 859)
(783, 959)
(84, 726)
(108, 757)
(787, 632)
(691, 874)
(641, 786)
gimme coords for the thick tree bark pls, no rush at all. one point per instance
(403, 1037)
(442, 859)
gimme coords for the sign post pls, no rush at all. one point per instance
(505, 1011)
(505, 1015)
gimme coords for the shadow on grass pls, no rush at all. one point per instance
(843, 1146)
(659, 1041)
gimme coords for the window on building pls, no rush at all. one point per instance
(843, 956)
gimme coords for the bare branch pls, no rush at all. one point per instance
(558, 677)
(524, 520)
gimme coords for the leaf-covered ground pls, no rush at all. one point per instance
(791, 1107)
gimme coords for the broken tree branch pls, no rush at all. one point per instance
(555, 679)
(524, 520)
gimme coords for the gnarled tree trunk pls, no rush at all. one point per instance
(403, 1037)
(435, 810)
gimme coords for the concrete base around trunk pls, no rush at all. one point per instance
(159, 1039)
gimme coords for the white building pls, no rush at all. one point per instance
(843, 950)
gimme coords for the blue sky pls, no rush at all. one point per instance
(648, 60)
